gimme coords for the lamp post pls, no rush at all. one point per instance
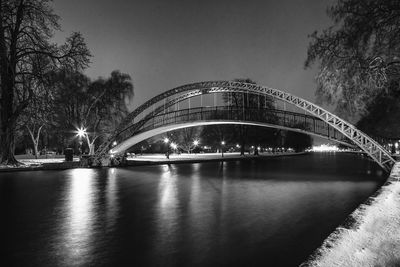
(195, 143)
(81, 132)
(166, 141)
(222, 147)
(174, 146)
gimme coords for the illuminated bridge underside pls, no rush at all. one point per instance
(176, 95)
(122, 147)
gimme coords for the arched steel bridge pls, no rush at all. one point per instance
(200, 116)
(140, 120)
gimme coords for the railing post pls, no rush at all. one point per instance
(315, 129)
(284, 118)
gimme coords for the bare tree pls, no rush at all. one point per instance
(26, 27)
(187, 138)
(37, 115)
(97, 106)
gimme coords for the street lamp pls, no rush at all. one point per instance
(173, 146)
(222, 147)
(81, 132)
(195, 143)
(166, 140)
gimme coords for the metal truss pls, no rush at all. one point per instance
(178, 94)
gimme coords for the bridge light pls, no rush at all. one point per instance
(166, 140)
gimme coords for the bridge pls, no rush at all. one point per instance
(155, 117)
(200, 116)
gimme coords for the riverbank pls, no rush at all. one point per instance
(58, 163)
(30, 164)
(371, 237)
(155, 159)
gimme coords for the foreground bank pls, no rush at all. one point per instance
(372, 234)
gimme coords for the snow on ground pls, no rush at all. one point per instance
(201, 156)
(31, 162)
(28, 161)
(374, 239)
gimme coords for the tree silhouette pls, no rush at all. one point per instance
(97, 106)
(26, 54)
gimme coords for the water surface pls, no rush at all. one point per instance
(267, 212)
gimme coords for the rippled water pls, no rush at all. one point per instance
(267, 212)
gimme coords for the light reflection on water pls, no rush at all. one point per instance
(208, 214)
(80, 210)
(166, 211)
(112, 208)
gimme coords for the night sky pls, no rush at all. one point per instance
(163, 44)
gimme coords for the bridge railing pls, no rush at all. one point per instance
(282, 118)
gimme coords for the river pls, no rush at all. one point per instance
(265, 212)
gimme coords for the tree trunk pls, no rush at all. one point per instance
(256, 150)
(36, 149)
(7, 144)
(91, 148)
(35, 140)
(8, 121)
(242, 145)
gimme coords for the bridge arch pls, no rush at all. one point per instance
(141, 136)
(178, 94)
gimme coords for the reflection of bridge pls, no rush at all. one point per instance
(151, 118)
(274, 118)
